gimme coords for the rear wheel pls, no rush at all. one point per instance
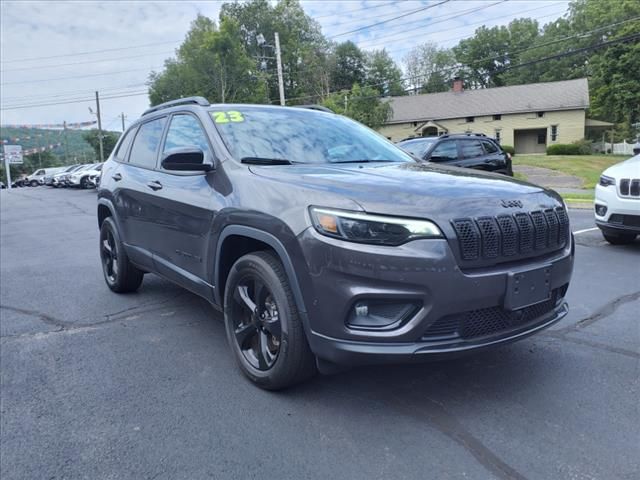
(263, 326)
(119, 273)
(619, 238)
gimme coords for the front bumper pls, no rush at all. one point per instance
(426, 272)
(619, 209)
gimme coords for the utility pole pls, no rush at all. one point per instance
(279, 61)
(346, 104)
(66, 143)
(122, 117)
(99, 126)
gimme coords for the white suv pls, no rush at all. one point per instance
(617, 205)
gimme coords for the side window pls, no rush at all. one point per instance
(445, 151)
(145, 146)
(471, 149)
(185, 131)
(489, 147)
(121, 152)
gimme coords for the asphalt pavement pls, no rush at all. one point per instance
(143, 386)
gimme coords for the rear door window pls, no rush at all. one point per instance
(144, 151)
(471, 148)
(445, 151)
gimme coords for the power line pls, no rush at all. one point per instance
(17, 107)
(356, 11)
(483, 22)
(365, 27)
(73, 92)
(84, 62)
(90, 52)
(79, 76)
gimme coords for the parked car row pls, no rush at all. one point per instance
(79, 176)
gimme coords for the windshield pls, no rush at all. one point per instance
(417, 147)
(300, 136)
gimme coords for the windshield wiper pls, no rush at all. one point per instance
(363, 161)
(265, 161)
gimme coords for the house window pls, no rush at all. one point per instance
(470, 119)
(540, 114)
(497, 117)
(498, 135)
(542, 138)
(554, 133)
(415, 124)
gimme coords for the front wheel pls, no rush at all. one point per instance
(119, 273)
(263, 326)
(619, 238)
(34, 183)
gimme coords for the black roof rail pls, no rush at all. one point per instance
(203, 102)
(316, 107)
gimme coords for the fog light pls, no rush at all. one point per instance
(601, 210)
(381, 314)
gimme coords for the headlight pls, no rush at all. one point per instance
(607, 181)
(366, 228)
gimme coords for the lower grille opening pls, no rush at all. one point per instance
(488, 321)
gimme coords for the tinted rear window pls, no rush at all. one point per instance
(417, 148)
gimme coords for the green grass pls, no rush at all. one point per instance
(578, 197)
(586, 167)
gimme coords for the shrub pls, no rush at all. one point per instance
(581, 147)
(509, 149)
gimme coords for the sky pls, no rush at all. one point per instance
(63, 51)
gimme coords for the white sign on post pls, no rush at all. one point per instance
(12, 156)
(13, 153)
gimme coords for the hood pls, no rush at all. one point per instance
(628, 169)
(415, 189)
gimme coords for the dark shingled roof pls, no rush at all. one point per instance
(533, 97)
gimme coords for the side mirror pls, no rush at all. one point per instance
(185, 159)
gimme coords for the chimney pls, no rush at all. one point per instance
(457, 84)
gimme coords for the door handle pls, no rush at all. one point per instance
(154, 185)
(117, 177)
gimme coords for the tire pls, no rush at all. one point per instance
(619, 238)
(84, 183)
(119, 273)
(270, 347)
(33, 183)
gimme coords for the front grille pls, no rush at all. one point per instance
(504, 236)
(630, 187)
(489, 321)
(625, 220)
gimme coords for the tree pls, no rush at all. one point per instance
(430, 69)
(109, 140)
(485, 56)
(211, 62)
(304, 49)
(362, 104)
(347, 66)
(383, 74)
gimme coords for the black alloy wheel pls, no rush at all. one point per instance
(109, 256)
(257, 327)
(263, 326)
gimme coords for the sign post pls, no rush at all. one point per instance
(12, 156)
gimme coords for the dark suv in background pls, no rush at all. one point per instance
(469, 150)
(323, 243)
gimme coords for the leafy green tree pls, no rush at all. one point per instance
(303, 47)
(211, 62)
(347, 66)
(109, 140)
(485, 56)
(430, 69)
(362, 104)
(383, 74)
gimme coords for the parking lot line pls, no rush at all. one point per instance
(577, 232)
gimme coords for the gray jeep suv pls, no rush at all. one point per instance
(324, 244)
